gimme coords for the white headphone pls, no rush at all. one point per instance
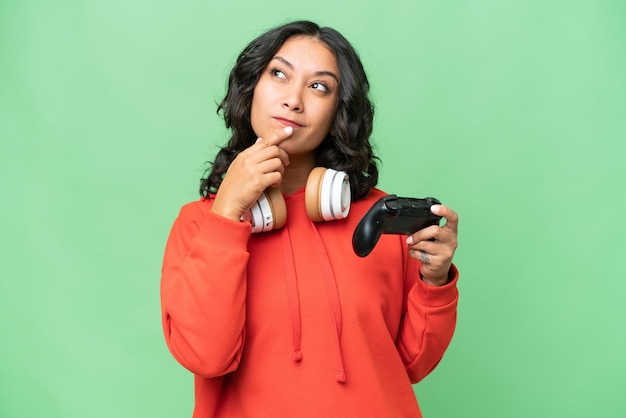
(327, 197)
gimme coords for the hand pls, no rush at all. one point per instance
(434, 246)
(253, 170)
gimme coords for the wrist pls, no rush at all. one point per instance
(436, 281)
(226, 211)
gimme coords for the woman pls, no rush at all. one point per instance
(290, 322)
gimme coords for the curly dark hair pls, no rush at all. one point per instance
(348, 147)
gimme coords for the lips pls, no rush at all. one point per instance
(288, 122)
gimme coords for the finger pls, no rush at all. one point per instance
(430, 247)
(432, 264)
(271, 166)
(429, 233)
(276, 137)
(266, 153)
(452, 218)
(424, 257)
(274, 179)
(438, 249)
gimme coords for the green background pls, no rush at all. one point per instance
(511, 112)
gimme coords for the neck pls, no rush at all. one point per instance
(297, 173)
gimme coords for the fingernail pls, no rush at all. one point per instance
(435, 208)
(409, 240)
(257, 140)
(288, 129)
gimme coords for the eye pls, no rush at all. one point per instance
(278, 73)
(320, 87)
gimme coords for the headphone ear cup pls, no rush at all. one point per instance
(327, 194)
(269, 212)
(278, 206)
(312, 196)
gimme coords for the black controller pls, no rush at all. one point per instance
(392, 215)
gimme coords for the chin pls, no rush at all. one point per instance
(293, 149)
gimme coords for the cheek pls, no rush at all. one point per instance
(262, 96)
(329, 117)
(263, 91)
(256, 108)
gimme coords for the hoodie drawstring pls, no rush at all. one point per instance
(293, 294)
(330, 281)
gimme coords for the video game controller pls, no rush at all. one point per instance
(392, 215)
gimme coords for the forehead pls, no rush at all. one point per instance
(308, 53)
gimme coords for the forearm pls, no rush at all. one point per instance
(203, 293)
(427, 326)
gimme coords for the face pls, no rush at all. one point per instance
(298, 88)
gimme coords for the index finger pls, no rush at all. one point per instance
(452, 219)
(276, 137)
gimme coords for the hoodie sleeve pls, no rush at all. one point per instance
(203, 290)
(428, 321)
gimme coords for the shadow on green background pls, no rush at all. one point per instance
(510, 112)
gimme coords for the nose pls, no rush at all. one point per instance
(292, 99)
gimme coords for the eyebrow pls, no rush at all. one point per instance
(317, 73)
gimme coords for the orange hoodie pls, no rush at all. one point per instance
(291, 323)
